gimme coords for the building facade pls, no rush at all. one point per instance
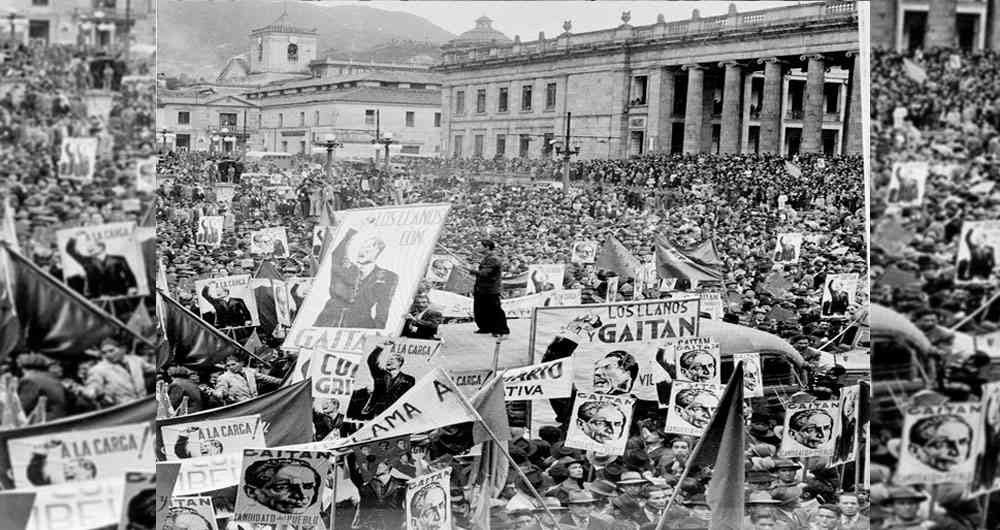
(204, 120)
(783, 80)
(911, 24)
(96, 23)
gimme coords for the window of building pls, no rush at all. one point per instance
(183, 142)
(502, 100)
(458, 145)
(183, 118)
(260, 121)
(550, 96)
(547, 146)
(481, 100)
(316, 118)
(526, 98)
(293, 53)
(227, 119)
(369, 116)
(460, 102)
(284, 146)
(639, 90)
(281, 120)
(501, 144)
(477, 143)
(437, 119)
(524, 146)
(302, 147)
(410, 118)
(39, 3)
(302, 119)
(831, 96)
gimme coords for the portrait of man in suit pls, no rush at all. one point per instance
(838, 299)
(229, 312)
(361, 291)
(981, 260)
(390, 383)
(106, 274)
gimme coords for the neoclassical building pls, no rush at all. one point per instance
(911, 24)
(782, 80)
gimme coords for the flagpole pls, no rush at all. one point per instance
(500, 445)
(211, 329)
(333, 500)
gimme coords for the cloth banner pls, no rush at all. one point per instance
(600, 423)
(212, 437)
(333, 376)
(106, 258)
(551, 380)
(85, 505)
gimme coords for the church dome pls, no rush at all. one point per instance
(483, 33)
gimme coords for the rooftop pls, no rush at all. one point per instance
(282, 25)
(483, 33)
(407, 96)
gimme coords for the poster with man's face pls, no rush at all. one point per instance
(696, 360)
(545, 277)
(298, 288)
(190, 513)
(229, 301)
(846, 446)
(810, 429)
(439, 269)
(691, 407)
(839, 294)
(939, 443)
(978, 254)
(583, 252)
(269, 242)
(209, 232)
(907, 183)
(600, 422)
(378, 459)
(281, 487)
(78, 159)
(753, 378)
(428, 501)
(212, 437)
(106, 258)
(145, 174)
(787, 247)
(138, 501)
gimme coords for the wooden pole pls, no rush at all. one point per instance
(333, 500)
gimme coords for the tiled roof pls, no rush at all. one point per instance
(401, 96)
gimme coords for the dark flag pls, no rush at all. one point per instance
(192, 342)
(15, 507)
(704, 253)
(613, 256)
(672, 263)
(266, 308)
(461, 282)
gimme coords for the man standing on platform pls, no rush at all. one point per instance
(486, 309)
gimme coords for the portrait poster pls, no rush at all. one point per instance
(107, 259)
(78, 505)
(269, 242)
(145, 174)
(988, 462)
(908, 183)
(550, 380)
(333, 376)
(615, 346)
(612, 289)
(439, 269)
(600, 422)
(810, 429)
(976, 259)
(281, 487)
(368, 276)
(212, 437)
(691, 407)
(190, 513)
(939, 443)
(80, 455)
(225, 193)
(382, 457)
(228, 302)
(846, 446)
(78, 159)
(138, 500)
(545, 277)
(697, 360)
(209, 232)
(298, 288)
(753, 378)
(839, 294)
(712, 305)
(583, 252)
(428, 501)
(788, 247)
(273, 292)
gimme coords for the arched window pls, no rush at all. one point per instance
(293, 53)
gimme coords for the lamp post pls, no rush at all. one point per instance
(566, 151)
(329, 143)
(11, 17)
(382, 139)
(163, 135)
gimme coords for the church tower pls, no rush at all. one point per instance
(281, 47)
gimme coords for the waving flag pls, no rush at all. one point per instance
(192, 341)
(613, 256)
(672, 263)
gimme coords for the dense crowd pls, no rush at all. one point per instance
(940, 106)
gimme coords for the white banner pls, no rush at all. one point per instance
(787, 248)
(600, 423)
(269, 242)
(810, 429)
(230, 300)
(697, 360)
(839, 293)
(457, 306)
(470, 381)
(78, 506)
(281, 487)
(207, 473)
(712, 305)
(551, 380)
(988, 469)
(210, 228)
(78, 159)
(939, 444)
(225, 193)
(753, 379)
(846, 444)
(691, 407)
(212, 437)
(106, 257)
(139, 490)
(333, 376)
(428, 501)
(298, 288)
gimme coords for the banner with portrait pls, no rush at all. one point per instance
(600, 422)
(440, 267)
(545, 277)
(839, 293)
(383, 457)
(788, 247)
(269, 242)
(583, 252)
(190, 513)
(988, 462)
(103, 260)
(78, 505)
(976, 259)
(281, 487)
(939, 443)
(80, 455)
(228, 302)
(690, 407)
(428, 501)
(810, 429)
(209, 232)
(617, 348)
(269, 292)
(78, 159)
(145, 174)
(368, 276)
(298, 288)
(753, 378)
(137, 506)
(846, 446)
(333, 376)
(551, 380)
(908, 183)
(212, 437)
(698, 360)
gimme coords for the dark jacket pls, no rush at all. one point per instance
(182, 386)
(488, 276)
(35, 384)
(386, 389)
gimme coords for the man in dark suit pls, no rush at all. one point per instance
(981, 261)
(839, 299)
(229, 312)
(486, 308)
(361, 292)
(390, 383)
(106, 275)
(422, 322)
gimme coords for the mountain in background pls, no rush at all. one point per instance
(197, 38)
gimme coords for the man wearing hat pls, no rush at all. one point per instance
(905, 505)
(541, 513)
(583, 513)
(760, 505)
(631, 485)
(787, 471)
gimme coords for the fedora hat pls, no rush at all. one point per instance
(603, 488)
(581, 497)
(630, 478)
(761, 497)
(785, 463)
(904, 493)
(551, 504)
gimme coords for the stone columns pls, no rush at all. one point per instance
(853, 136)
(812, 119)
(665, 107)
(994, 36)
(770, 112)
(729, 132)
(693, 111)
(941, 24)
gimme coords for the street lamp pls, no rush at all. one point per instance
(11, 17)
(163, 135)
(566, 151)
(330, 143)
(382, 139)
